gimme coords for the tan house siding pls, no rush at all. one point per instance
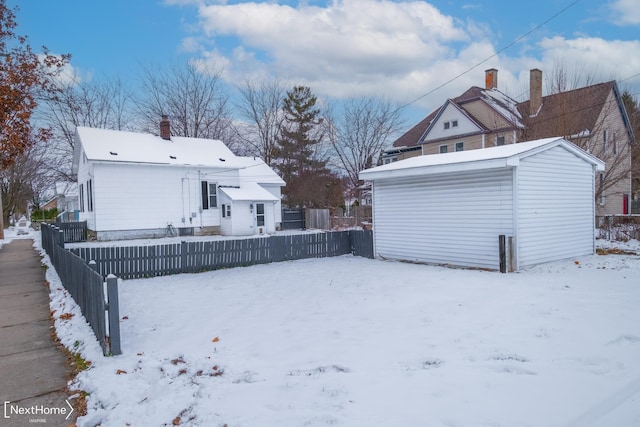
(615, 151)
(486, 115)
(408, 154)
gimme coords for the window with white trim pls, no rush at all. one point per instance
(605, 139)
(209, 195)
(459, 146)
(443, 149)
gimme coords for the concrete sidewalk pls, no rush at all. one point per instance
(33, 368)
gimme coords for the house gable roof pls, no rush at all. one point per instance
(493, 98)
(112, 146)
(488, 158)
(570, 113)
(120, 146)
(435, 131)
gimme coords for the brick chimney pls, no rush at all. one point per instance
(491, 78)
(165, 128)
(535, 91)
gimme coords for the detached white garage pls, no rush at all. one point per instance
(451, 208)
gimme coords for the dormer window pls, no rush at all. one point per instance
(451, 124)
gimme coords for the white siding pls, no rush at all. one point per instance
(276, 190)
(444, 219)
(451, 113)
(555, 207)
(143, 197)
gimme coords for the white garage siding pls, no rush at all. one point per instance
(555, 203)
(444, 219)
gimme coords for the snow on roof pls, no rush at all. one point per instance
(504, 105)
(254, 169)
(248, 191)
(122, 146)
(493, 157)
(132, 147)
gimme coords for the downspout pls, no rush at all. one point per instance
(516, 225)
(199, 186)
(182, 196)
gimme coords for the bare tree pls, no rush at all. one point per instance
(105, 104)
(359, 132)
(261, 105)
(24, 182)
(192, 96)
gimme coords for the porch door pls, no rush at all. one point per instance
(260, 214)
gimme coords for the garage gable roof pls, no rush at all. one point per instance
(487, 158)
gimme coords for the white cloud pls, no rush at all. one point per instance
(626, 12)
(604, 59)
(345, 47)
(401, 50)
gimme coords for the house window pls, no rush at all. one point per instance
(226, 211)
(454, 123)
(81, 194)
(459, 146)
(443, 149)
(90, 196)
(614, 143)
(500, 140)
(209, 195)
(602, 188)
(605, 139)
(229, 211)
(446, 125)
(260, 214)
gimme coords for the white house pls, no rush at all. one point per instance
(133, 185)
(451, 208)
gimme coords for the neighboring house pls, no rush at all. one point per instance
(593, 118)
(133, 185)
(66, 201)
(451, 208)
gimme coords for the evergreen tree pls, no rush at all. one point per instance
(309, 182)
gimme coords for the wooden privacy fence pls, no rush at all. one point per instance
(73, 231)
(87, 287)
(293, 219)
(191, 257)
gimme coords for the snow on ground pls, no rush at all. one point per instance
(350, 341)
(177, 239)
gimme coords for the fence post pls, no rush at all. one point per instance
(60, 238)
(503, 253)
(114, 315)
(183, 257)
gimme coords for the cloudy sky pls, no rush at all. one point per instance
(403, 50)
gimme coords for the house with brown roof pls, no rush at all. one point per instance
(593, 117)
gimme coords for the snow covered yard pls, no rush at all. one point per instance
(356, 342)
